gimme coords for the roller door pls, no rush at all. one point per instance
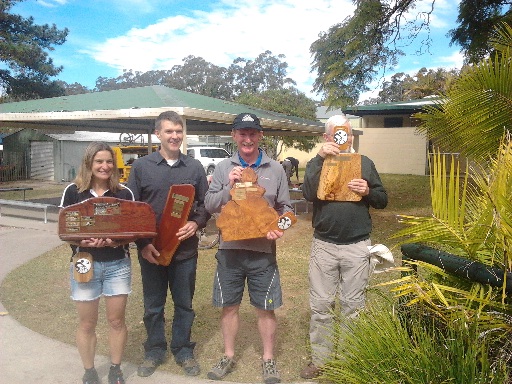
(41, 160)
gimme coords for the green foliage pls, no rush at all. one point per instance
(471, 209)
(393, 345)
(289, 101)
(196, 75)
(471, 218)
(477, 20)
(364, 46)
(23, 47)
(402, 87)
(265, 73)
(346, 57)
(453, 330)
(73, 89)
(476, 111)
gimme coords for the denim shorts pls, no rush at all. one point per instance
(110, 278)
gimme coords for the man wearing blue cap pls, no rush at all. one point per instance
(251, 260)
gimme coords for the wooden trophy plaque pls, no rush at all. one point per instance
(107, 217)
(83, 269)
(340, 136)
(338, 170)
(248, 215)
(175, 215)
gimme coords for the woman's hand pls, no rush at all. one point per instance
(92, 243)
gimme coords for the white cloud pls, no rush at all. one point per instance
(52, 3)
(455, 60)
(246, 28)
(439, 17)
(237, 29)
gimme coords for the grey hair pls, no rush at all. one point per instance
(335, 121)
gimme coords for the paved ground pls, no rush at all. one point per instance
(26, 356)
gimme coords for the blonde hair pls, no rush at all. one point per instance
(83, 179)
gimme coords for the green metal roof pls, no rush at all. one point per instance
(134, 109)
(409, 106)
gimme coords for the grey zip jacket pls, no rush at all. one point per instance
(271, 176)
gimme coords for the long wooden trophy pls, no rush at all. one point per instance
(175, 215)
(107, 217)
(248, 215)
(338, 170)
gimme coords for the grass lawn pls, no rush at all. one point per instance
(46, 307)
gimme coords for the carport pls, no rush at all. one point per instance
(133, 110)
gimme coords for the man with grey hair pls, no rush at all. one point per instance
(340, 260)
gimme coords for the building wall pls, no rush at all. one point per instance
(67, 156)
(393, 150)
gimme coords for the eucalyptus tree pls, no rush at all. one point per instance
(196, 75)
(266, 72)
(288, 101)
(359, 49)
(426, 82)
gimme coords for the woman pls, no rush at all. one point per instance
(111, 277)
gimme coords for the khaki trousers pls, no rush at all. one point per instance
(334, 270)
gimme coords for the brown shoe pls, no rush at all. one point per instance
(310, 371)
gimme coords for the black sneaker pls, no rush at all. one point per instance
(148, 367)
(90, 376)
(190, 367)
(270, 373)
(221, 369)
(115, 376)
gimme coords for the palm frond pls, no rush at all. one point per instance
(476, 112)
(502, 38)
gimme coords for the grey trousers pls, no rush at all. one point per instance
(334, 270)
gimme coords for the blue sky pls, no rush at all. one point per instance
(107, 36)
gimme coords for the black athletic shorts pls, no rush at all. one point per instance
(234, 267)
